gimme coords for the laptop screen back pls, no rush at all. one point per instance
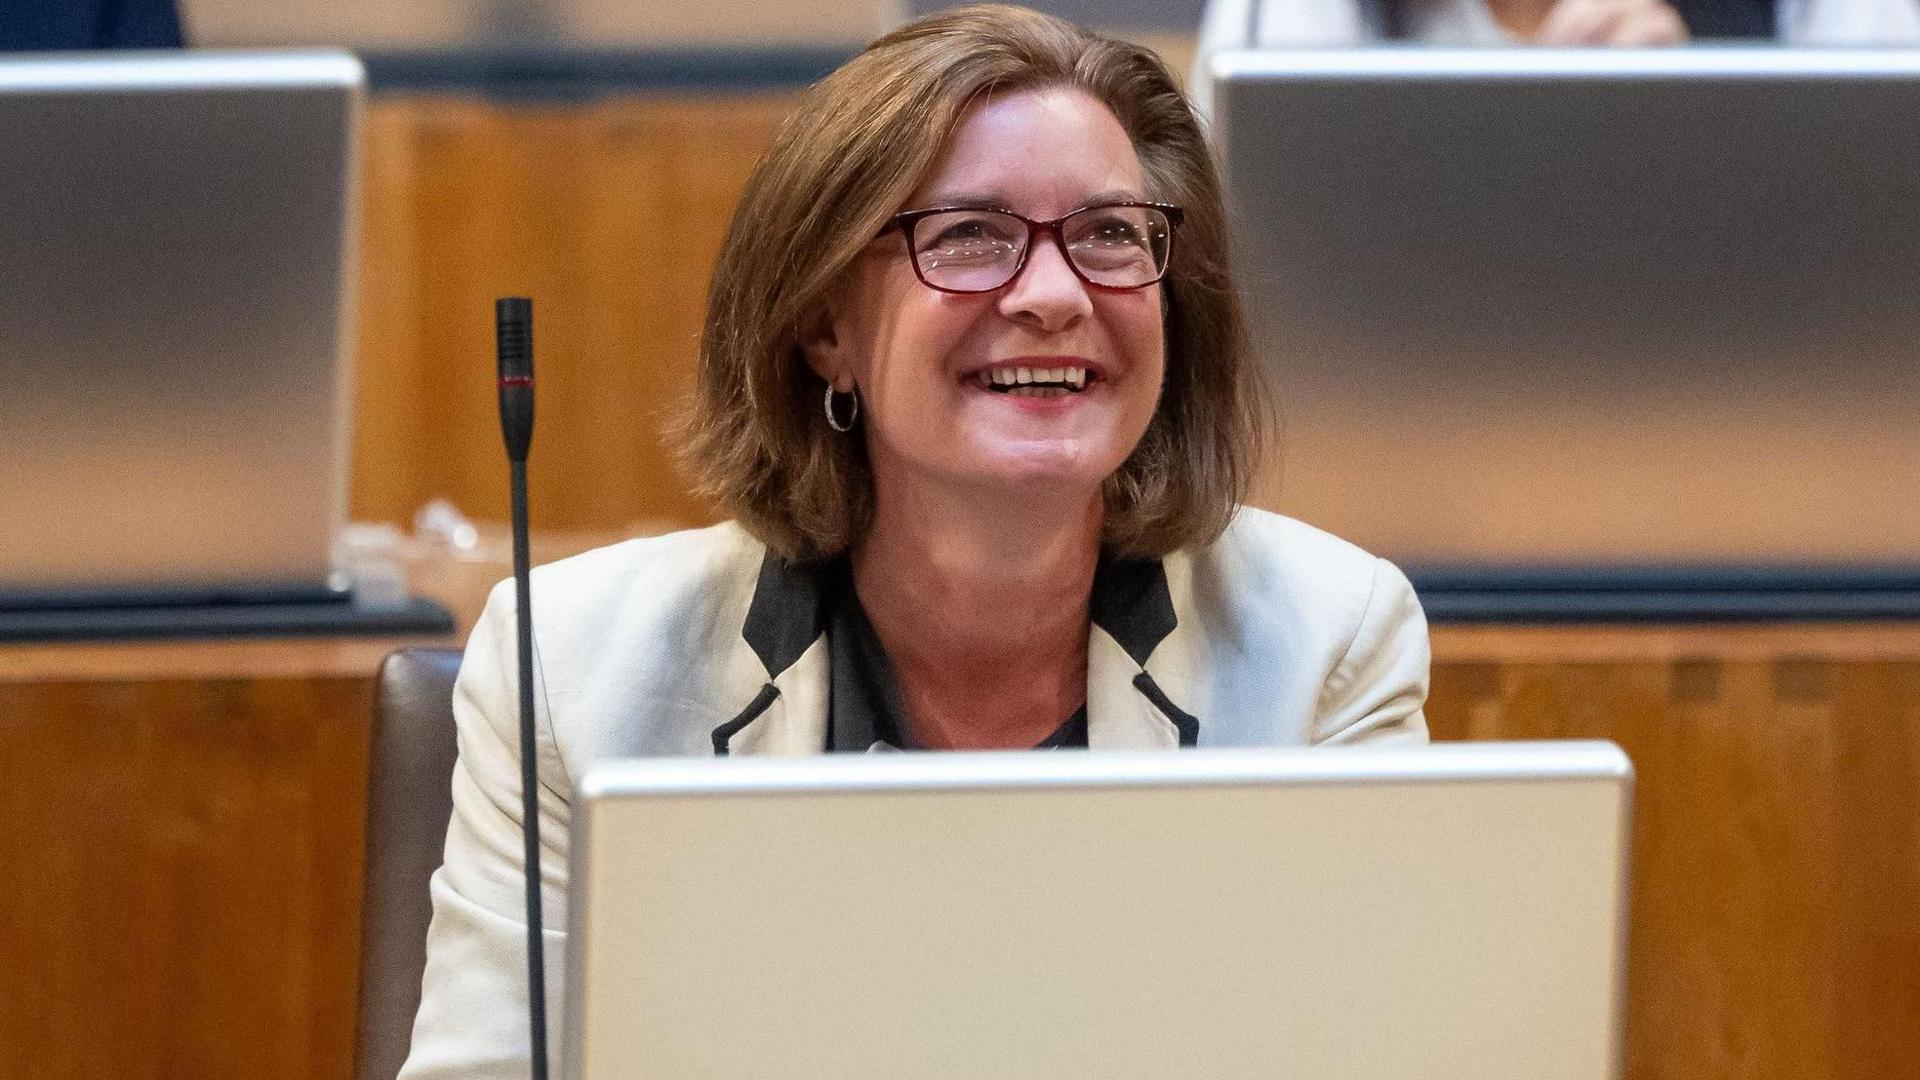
(1451, 912)
(1536, 308)
(175, 308)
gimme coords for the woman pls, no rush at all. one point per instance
(976, 388)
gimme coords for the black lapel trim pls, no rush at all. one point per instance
(1188, 725)
(783, 621)
(786, 615)
(724, 734)
(1131, 603)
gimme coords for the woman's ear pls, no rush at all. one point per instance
(820, 343)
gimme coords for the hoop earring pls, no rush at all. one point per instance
(834, 421)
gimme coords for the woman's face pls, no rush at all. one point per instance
(925, 361)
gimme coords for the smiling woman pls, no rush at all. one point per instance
(975, 387)
(959, 111)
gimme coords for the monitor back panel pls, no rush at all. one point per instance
(173, 292)
(1237, 915)
(1536, 308)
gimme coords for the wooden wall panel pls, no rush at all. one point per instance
(609, 215)
(1776, 902)
(1874, 894)
(389, 427)
(180, 867)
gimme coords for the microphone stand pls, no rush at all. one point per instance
(513, 340)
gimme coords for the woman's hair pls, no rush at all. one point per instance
(756, 440)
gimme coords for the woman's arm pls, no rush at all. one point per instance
(472, 1023)
(1379, 687)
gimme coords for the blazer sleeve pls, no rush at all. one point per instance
(1378, 690)
(473, 1021)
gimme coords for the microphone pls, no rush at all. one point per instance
(513, 338)
(513, 342)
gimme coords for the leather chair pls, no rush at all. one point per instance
(409, 799)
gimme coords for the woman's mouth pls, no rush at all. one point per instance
(1036, 382)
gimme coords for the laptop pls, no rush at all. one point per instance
(1344, 914)
(174, 279)
(1590, 317)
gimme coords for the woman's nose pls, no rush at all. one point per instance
(1046, 294)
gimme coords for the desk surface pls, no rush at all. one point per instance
(360, 657)
(462, 584)
(459, 583)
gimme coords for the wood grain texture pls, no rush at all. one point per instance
(183, 842)
(180, 867)
(1775, 926)
(609, 215)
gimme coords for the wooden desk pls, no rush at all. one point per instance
(181, 854)
(181, 832)
(1776, 901)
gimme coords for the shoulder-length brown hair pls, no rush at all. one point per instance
(756, 440)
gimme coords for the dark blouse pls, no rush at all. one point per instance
(864, 710)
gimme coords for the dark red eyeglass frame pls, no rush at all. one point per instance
(907, 219)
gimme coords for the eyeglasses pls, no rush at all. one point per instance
(958, 249)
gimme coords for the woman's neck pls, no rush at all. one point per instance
(982, 606)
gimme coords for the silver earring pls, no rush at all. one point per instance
(834, 421)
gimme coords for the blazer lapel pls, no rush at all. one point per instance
(786, 630)
(1132, 614)
(1127, 707)
(792, 713)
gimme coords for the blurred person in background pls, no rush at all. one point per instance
(1287, 24)
(976, 389)
(75, 25)
(1295, 23)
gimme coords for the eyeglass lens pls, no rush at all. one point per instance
(1122, 247)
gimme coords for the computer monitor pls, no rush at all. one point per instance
(1446, 913)
(1607, 311)
(175, 268)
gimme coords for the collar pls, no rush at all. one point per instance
(1131, 611)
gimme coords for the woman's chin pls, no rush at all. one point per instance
(1067, 466)
(996, 465)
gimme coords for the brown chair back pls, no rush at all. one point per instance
(409, 799)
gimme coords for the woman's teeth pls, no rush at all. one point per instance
(1037, 382)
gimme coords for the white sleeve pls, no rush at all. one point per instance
(1305, 24)
(1378, 690)
(1254, 24)
(1223, 25)
(1849, 22)
(473, 1022)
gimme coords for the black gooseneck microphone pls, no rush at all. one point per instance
(513, 340)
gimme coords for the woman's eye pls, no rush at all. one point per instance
(971, 235)
(967, 236)
(957, 235)
(1113, 232)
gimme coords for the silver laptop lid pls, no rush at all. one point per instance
(174, 272)
(1446, 912)
(1542, 308)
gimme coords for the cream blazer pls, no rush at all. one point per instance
(698, 643)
